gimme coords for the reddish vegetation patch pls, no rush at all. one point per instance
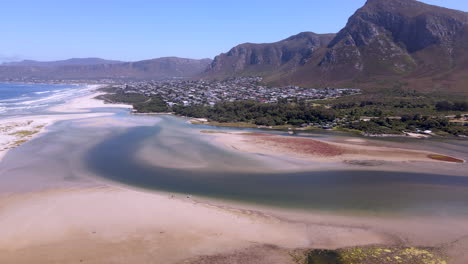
(256, 134)
(302, 146)
(444, 158)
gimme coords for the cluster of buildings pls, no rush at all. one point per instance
(209, 92)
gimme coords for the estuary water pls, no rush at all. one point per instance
(95, 151)
(331, 189)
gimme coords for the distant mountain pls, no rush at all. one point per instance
(85, 69)
(383, 42)
(260, 59)
(169, 66)
(73, 61)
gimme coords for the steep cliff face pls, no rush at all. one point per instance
(389, 37)
(393, 40)
(248, 58)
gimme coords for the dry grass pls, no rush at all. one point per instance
(19, 142)
(24, 133)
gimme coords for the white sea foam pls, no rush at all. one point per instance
(43, 92)
(13, 99)
(56, 97)
(42, 99)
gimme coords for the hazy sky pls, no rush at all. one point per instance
(143, 29)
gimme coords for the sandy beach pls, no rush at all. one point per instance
(114, 225)
(105, 222)
(69, 226)
(18, 130)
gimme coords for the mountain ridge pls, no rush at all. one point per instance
(393, 41)
(385, 44)
(154, 69)
(258, 58)
(71, 61)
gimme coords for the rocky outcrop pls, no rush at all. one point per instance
(405, 41)
(249, 59)
(384, 36)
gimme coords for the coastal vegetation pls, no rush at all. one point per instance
(17, 133)
(371, 255)
(154, 104)
(386, 125)
(263, 114)
(398, 112)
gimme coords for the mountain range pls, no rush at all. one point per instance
(73, 61)
(95, 68)
(386, 43)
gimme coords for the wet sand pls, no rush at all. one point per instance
(18, 130)
(109, 224)
(87, 224)
(321, 151)
(91, 220)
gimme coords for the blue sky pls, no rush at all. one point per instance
(143, 29)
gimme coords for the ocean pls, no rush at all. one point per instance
(28, 99)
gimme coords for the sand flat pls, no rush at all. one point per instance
(115, 224)
(65, 226)
(323, 151)
(18, 130)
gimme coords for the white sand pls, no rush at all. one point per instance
(111, 225)
(83, 104)
(114, 225)
(17, 130)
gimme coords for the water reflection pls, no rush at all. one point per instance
(344, 190)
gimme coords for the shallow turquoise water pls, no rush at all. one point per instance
(332, 189)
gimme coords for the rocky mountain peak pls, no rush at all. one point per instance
(394, 30)
(254, 59)
(384, 39)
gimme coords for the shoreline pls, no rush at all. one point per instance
(313, 150)
(214, 229)
(136, 222)
(120, 224)
(15, 131)
(141, 226)
(204, 121)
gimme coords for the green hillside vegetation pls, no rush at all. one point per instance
(125, 98)
(153, 104)
(263, 114)
(393, 112)
(407, 123)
